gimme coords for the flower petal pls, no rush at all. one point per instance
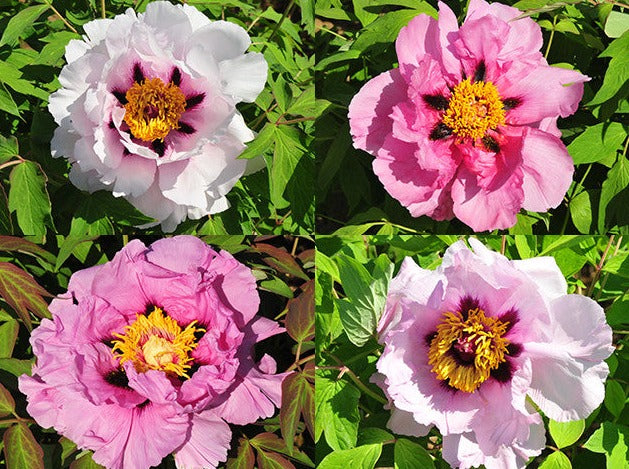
(199, 451)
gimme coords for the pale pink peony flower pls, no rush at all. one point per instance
(467, 125)
(147, 109)
(151, 354)
(467, 344)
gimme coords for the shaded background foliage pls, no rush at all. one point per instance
(36, 197)
(355, 42)
(284, 268)
(352, 278)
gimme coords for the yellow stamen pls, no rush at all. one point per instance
(157, 342)
(466, 351)
(153, 109)
(473, 109)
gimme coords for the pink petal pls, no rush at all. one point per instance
(547, 169)
(370, 108)
(495, 203)
(543, 92)
(207, 444)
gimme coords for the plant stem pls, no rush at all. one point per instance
(72, 28)
(102, 9)
(604, 281)
(550, 39)
(343, 369)
(279, 23)
(599, 267)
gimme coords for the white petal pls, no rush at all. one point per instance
(546, 275)
(568, 368)
(222, 39)
(133, 176)
(196, 18)
(244, 77)
(403, 423)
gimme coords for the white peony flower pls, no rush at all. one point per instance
(146, 109)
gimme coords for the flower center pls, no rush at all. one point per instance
(466, 350)
(157, 342)
(473, 109)
(153, 109)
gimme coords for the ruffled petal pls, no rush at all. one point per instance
(568, 367)
(199, 451)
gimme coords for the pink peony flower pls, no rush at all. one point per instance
(150, 354)
(147, 109)
(467, 345)
(467, 125)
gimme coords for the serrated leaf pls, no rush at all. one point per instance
(28, 197)
(300, 315)
(271, 442)
(297, 400)
(614, 397)
(7, 404)
(566, 433)
(21, 21)
(16, 244)
(556, 460)
(597, 143)
(286, 156)
(363, 457)
(245, 458)
(281, 260)
(20, 290)
(409, 455)
(336, 412)
(21, 450)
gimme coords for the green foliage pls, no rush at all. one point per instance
(356, 43)
(41, 200)
(352, 412)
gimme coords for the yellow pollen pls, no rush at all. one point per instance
(466, 351)
(473, 109)
(157, 342)
(153, 109)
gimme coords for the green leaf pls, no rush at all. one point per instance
(581, 210)
(85, 462)
(409, 455)
(7, 403)
(617, 24)
(615, 196)
(28, 197)
(8, 336)
(566, 433)
(556, 460)
(7, 104)
(610, 439)
(21, 449)
(68, 246)
(617, 73)
(8, 148)
(259, 145)
(288, 151)
(363, 457)
(23, 20)
(371, 435)
(614, 397)
(16, 367)
(597, 143)
(307, 9)
(336, 412)
(16, 244)
(366, 297)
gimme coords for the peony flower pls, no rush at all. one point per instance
(151, 354)
(147, 109)
(467, 125)
(468, 345)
